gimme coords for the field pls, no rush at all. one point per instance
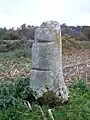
(15, 71)
(15, 64)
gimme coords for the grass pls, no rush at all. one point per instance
(15, 64)
(78, 107)
(70, 44)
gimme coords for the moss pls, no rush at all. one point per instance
(49, 98)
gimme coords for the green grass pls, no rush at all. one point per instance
(78, 107)
(20, 112)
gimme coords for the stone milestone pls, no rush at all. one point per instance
(47, 73)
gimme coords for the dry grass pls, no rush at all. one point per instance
(12, 65)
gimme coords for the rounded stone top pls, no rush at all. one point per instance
(47, 31)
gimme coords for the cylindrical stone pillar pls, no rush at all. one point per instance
(47, 71)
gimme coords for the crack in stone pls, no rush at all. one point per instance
(41, 69)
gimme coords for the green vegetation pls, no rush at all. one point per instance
(78, 107)
(12, 45)
(12, 106)
(12, 93)
(15, 67)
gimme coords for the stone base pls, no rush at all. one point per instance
(41, 81)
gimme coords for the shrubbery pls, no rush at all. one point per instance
(3, 48)
(23, 53)
(13, 97)
(9, 45)
(12, 93)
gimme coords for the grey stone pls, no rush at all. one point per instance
(47, 31)
(47, 71)
(42, 80)
(45, 55)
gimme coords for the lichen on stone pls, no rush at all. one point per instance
(58, 38)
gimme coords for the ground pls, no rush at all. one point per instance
(17, 64)
(14, 64)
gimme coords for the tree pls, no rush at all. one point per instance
(23, 26)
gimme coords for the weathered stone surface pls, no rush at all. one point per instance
(47, 71)
(45, 56)
(42, 80)
(47, 31)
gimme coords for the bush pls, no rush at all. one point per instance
(3, 48)
(78, 107)
(79, 85)
(23, 53)
(13, 46)
(12, 98)
(7, 95)
(23, 89)
(12, 93)
(10, 45)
